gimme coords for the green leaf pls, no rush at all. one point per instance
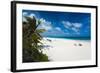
(40, 30)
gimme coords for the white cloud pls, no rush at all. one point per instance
(77, 25)
(25, 13)
(72, 26)
(74, 29)
(45, 24)
(46, 27)
(31, 15)
(67, 24)
(42, 20)
(57, 28)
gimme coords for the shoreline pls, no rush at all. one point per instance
(72, 38)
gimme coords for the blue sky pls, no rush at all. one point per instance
(62, 24)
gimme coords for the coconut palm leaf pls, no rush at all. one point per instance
(32, 45)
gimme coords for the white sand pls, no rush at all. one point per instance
(67, 49)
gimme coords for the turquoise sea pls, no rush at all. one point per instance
(74, 38)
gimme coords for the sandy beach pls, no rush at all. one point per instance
(67, 49)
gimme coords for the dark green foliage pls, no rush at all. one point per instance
(32, 52)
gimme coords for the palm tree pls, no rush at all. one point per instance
(32, 51)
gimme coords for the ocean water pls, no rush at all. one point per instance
(72, 38)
